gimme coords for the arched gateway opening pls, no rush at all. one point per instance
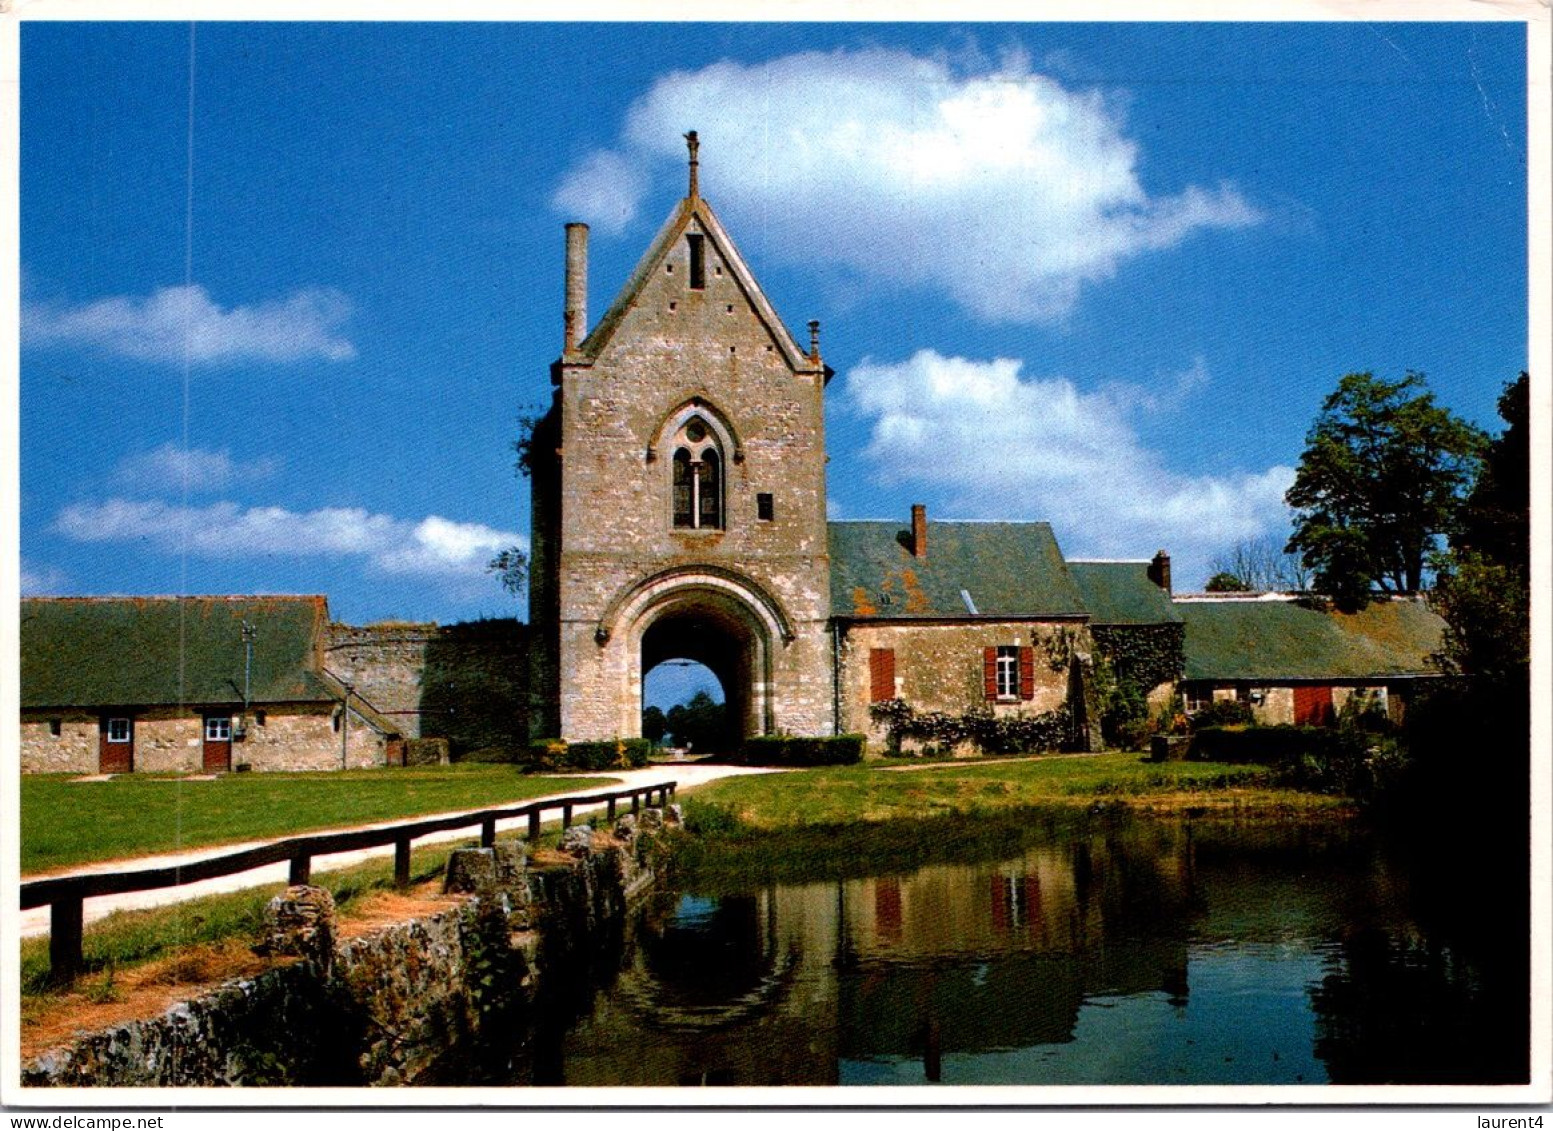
(717, 631)
(708, 615)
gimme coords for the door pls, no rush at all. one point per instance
(1312, 706)
(218, 744)
(116, 744)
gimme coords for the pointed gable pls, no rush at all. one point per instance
(692, 216)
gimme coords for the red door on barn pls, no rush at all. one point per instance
(218, 744)
(1312, 706)
(116, 744)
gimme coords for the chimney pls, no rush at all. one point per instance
(1159, 570)
(576, 285)
(918, 530)
(694, 144)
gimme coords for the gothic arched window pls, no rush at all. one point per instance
(698, 478)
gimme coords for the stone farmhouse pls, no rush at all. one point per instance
(679, 513)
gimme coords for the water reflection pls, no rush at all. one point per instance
(1146, 953)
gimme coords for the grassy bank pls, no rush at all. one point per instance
(67, 822)
(895, 791)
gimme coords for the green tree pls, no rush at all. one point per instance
(1381, 479)
(701, 723)
(1226, 582)
(1482, 585)
(654, 724)
(511, 569)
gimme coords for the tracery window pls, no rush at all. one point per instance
(698, 477)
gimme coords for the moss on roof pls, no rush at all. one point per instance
(1122, 593)
(169, 651)
(1281, 640)
(1009, 569)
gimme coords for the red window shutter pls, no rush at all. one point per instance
(1026, 672)
(881, 674)
(989, 672)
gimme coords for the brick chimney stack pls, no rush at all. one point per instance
(918, 530)
(1159, 570)
(576, 285)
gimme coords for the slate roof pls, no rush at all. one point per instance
(170, 651)
(1122, 593)
(1276, 640)
(1009, 569)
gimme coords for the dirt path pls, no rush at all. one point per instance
(36, 921)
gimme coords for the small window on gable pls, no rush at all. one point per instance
(55, 725)
(697, 484)
(765, 506)
(697, 262)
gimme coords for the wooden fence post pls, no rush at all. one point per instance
(636, 802)
(301, 870)
(610, 814)
(65, 958)
(488, 832)
(566, 816)
(533, 824)
(402, 862)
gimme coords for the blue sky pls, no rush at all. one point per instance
(1101, 275)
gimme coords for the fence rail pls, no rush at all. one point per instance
(64, 895)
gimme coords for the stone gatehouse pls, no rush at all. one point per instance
(678, 512)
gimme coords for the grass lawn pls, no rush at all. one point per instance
(894, 790)
(66, 822)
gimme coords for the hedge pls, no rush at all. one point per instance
(1267, 746)
(610, 754)
(786, 750)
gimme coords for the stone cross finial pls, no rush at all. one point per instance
(694, 144)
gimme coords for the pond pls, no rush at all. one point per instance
(1045, 952)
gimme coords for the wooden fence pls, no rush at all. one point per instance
(64, 895)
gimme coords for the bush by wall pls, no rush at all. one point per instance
(1344, 760)
(1223, 713)
(786, 750)
(992, 734)
(611, 754)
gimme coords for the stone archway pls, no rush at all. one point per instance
(712, 622)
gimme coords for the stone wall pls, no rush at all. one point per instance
(384, 1008)
(292, 737)
(468, 683)
(938, 667)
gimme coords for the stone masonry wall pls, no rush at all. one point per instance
(383, 1008)
(298, 737)
(938, 667)
(676, 344)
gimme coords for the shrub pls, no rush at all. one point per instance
(1320, 759)
(992, 734)
(1223, 713)
(710, 818)
(609, 754)
(492, 754)
(786, 750)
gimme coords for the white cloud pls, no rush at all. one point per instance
(177, 322)
(1002, 188)
(171, 467)
(433, 546)
(41, 581)
(993, 444)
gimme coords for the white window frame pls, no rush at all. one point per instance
(128, 731)
(222, 724)
(1007, 672)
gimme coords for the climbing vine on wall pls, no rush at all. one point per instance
(992, 734)
(1145, 655)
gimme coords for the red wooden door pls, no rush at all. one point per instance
(218, 744)
(1312, 706)
(116, 744)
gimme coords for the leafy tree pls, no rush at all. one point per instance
(654, 724)
(701, 723)
(1482, 587)
(511, 569)
(1381, 478)
(1226, 582)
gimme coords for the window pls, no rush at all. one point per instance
(881, 674)
(1008, 672)
(697, 262)
(118, 730)
(258, 718)
(765, 506)
(55, 725)
(697, 478)
(218, 728)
